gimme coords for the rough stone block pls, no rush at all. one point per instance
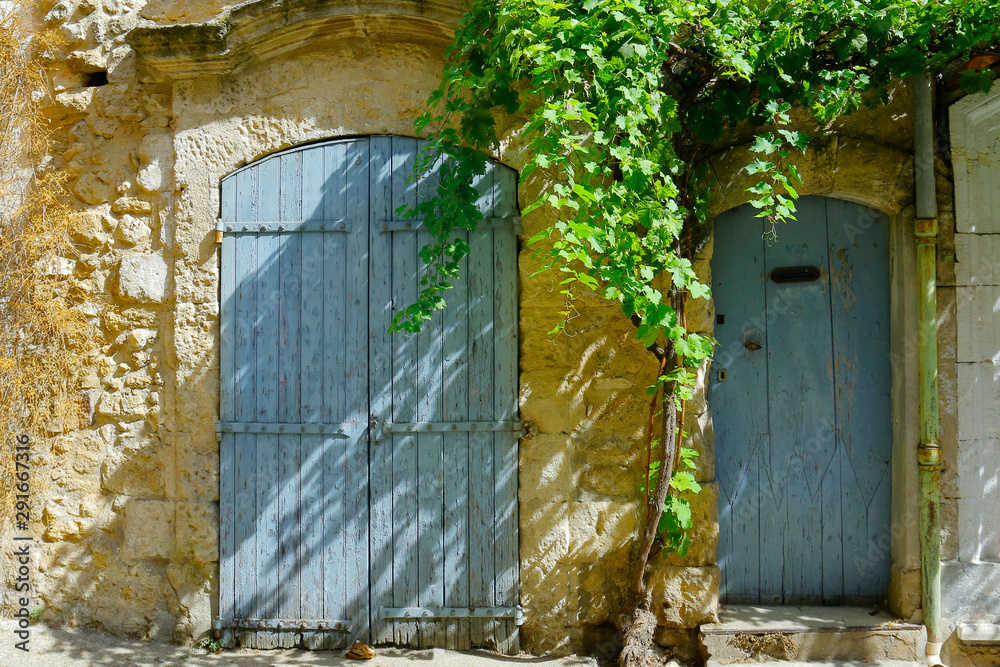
(869, 174)
(684, 597)
(132, 205)
(197, 525)
(75, 101)
(598, 530)
(544, 535)
(700, 314)
(90, 189)
(133, 231)
(701, 438)
(545, 595)
(143, 278)
(904, 593)
(610, 480)
(128, 598)
(192, 584)
(150, 178)
(127, 404)
(69, 529)
(547, 469)
(93, 60)
(87, 228)
(149, 529)
(138, 473)
(197, 471)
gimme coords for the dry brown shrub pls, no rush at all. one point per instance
(45, 340)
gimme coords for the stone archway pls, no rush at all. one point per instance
(879, 177)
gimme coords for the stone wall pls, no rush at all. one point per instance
(972, 491)
(105, 497)
(130, 503)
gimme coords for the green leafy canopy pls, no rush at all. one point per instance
(618, 104)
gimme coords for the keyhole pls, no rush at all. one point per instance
(722, 375)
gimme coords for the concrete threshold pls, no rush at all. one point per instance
(765, 620)
(840, 663)
(815, 636)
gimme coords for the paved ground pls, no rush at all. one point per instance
(73, 648)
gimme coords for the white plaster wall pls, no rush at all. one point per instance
(976, 152)
(970, 574)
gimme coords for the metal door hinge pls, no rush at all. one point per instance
(418, 613)
(280, 625)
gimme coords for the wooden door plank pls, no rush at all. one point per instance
(380, 372)
(455, 404)
(482, 573)
(859, 259)
(312, 447)
(356, 202)
(429, 390)
(335, 261)
(289, 394)
(404, 404)
(246, 405)
(430, 462)
(832, 536)
(456, 457)
(738, 399)
(800, 385)
(266, 353)
(505, 402)
(227, 378)
(749, 533)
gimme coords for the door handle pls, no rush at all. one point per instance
(752, 345)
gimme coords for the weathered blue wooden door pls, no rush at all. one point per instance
(368, 482)
(799, 393)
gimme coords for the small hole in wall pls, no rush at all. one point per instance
(94, 79)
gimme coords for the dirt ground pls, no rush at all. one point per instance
(60, 647)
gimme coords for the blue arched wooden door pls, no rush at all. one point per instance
(368, 481)
(799, 393)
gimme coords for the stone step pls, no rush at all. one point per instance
(840, 663)
(844, 635)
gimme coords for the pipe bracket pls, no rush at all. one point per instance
(925, 229)
(929, 456)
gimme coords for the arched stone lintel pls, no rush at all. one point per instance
(856, 170)
(262, 29)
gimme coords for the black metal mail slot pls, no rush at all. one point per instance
(795, 274)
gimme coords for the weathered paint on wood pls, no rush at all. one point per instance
(505, 406)
(289, 296)
(305, 314)
(738, 290)
(802, 424)
(481, 465)
(859, 287)
(380, 383)
(355, 209)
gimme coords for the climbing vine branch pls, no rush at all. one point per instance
(619, 106)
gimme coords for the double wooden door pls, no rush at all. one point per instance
(799, 394)
(368, 481)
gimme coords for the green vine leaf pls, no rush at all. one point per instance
(620, 105)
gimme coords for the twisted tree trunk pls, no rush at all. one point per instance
(636, 622)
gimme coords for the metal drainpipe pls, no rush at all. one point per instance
(929, 450)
